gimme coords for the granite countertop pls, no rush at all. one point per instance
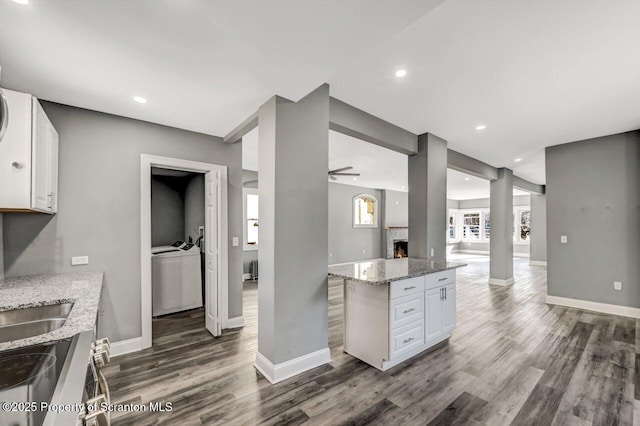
(383, 271)
(81, 288)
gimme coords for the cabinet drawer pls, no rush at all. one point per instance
(406, 338)
(440, 279)
(405, 310)
(406, 287)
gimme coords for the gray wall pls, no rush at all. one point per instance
(538, 245)
(346, 243)
(593, 197)
(99, 208)
(396, 208)
(193, 206)
(292, 295)
(167, 210)
(428, 199)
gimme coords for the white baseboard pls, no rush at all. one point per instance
(538, 262)
(285, 370)
(605, 308)
(497, 281)
(471, 251)
(126, 346)
(234, 322)
(246, 277)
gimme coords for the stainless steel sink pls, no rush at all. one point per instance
(22, 323)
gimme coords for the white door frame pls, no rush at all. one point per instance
(146, 162)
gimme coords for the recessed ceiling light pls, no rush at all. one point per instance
(22, 2)
(140, 99)
(403, 187)
(355, 178)
(401, 73)
(481, 127)
(466, 178)
(517, 160)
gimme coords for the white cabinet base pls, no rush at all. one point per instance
(385, 325)
(410, 354)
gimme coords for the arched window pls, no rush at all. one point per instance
(365, 211)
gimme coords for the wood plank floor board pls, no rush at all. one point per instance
(512, 359)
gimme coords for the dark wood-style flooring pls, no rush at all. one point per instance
(511, 360)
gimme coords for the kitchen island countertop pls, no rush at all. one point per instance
(81, 288)
(383, 271)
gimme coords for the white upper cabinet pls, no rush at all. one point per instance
(28, 157)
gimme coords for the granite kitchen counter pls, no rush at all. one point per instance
(383, 271)
(81, 288)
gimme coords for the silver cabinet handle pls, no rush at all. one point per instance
(445, 293)
(409, 288)
(441, 294)
(410, 339)
(406, 311)
(442, 279)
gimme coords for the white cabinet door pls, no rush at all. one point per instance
(15, 154)
(449, 308)
(40, 160)
(44, 169)
(433, 314)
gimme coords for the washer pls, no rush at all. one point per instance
(176, 279)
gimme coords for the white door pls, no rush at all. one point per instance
(433, 313)
(212, 255)
(449, 308)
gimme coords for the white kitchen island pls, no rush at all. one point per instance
(396, 308)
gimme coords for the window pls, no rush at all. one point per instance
(524, 225)
(487, 225)
(453, 231)
(250, 233)
(365, 211)
(471, 226)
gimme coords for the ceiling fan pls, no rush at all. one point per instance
(339, 172)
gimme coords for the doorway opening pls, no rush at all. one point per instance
(213, 241)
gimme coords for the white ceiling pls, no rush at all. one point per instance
(536, 73)
(379, 167)
(202, 65)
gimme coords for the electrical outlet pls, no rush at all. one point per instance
(79, 260)
(364, 251)
(432, 252)
(234, 242)
(617, 285)
(563, 239)
(330, 254)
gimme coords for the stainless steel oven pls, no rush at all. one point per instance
(54, 383)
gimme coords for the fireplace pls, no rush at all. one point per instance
(396, 235)
(400, 249)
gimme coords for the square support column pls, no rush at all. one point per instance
(428, 199)
(538, 245)
(501, 243)
(293, 255)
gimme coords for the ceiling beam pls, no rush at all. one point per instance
(464, 163)
(354, 122)
(527, 186)
(242, 129)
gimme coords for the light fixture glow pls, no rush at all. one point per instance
(140, 99)
(401, 73)
(518, 160)
(22, 2)
(481, 127)
(403, 187)
(355, 178)
(466, 178)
